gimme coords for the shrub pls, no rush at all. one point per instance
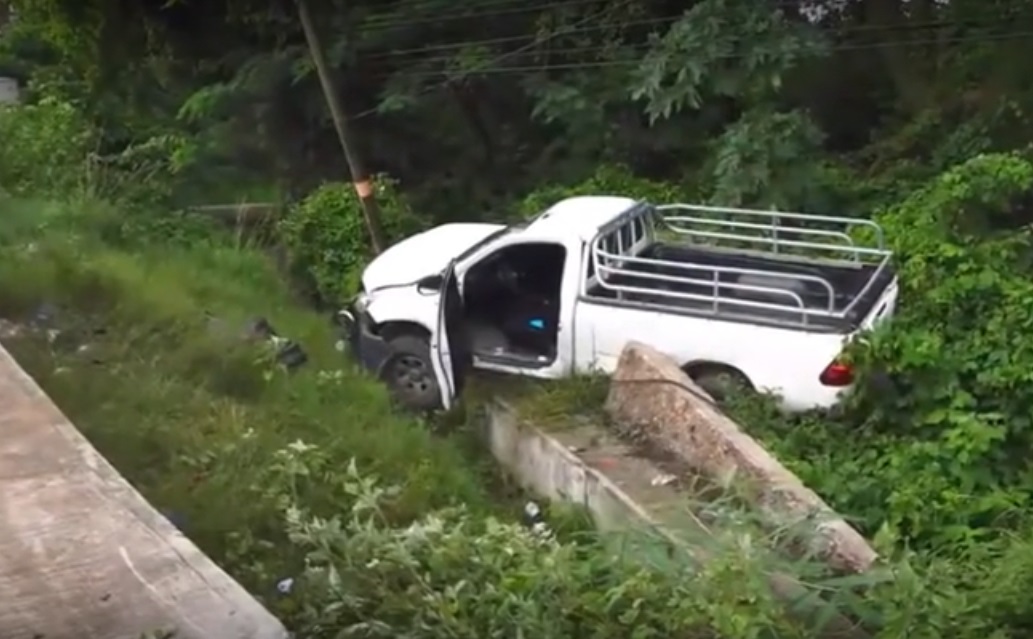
(44, 148)
(450, 574)
(938, 454)
(957, 349)
(326, 238)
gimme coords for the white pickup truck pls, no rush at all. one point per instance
(757, 299)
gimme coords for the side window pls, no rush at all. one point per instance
(531, 267)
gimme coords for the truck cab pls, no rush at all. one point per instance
(729, 293)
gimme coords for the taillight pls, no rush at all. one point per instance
(837, 374)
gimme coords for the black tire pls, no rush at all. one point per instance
(720, 382)
(409, 374)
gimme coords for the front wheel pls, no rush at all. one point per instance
(409, 374)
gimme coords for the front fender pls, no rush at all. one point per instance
(367, 341)
(404, 306)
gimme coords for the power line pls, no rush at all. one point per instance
(383, 23)
(387, 24)
(518, 51)
(617, 63)
(509, 39)
(528, 69)
(918, 26)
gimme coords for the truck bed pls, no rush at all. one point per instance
(848, 282)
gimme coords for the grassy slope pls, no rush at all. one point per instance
(174, 400)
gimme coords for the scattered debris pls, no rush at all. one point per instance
(10, 330)
(285, 586)
(289, 353)
(44, 316)
(663, 479)
(41, 321)
(541, 529)
(534, 518)
(258, 329)
(532, 511)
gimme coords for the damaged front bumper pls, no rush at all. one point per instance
(356, 334)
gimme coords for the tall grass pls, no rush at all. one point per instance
(149, 363)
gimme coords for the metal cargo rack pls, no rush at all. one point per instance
(785, 243)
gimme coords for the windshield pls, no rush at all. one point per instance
(491, 237)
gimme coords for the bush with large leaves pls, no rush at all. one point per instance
(939, 454)
(327, 240)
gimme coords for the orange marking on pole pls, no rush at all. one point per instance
(364, 188)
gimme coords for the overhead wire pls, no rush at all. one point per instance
(615, 63)
(518, 51)
(510, 39)
(581, 26)
(520, 6)
(390, 22)
(856, 29)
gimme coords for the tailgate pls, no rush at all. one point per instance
(883, 308)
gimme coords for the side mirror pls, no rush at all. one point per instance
(430, 283)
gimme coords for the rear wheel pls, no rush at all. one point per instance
(409, 374)
(720, 382)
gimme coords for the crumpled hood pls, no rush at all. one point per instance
(423, 254)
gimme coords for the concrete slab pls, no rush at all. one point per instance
(652, 520)
(651, 398)
(82, 554)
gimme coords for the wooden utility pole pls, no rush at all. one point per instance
(359, 175)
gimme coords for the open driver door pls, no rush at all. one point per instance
(449, 349)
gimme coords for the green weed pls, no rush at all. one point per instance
(150, 364)
(552, 405)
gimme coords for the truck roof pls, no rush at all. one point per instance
(582, 215)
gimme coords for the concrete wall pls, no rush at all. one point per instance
(82, 554)
(652, 399)
(546, 466)
(648, 520)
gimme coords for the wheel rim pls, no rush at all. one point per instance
(410, 375)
